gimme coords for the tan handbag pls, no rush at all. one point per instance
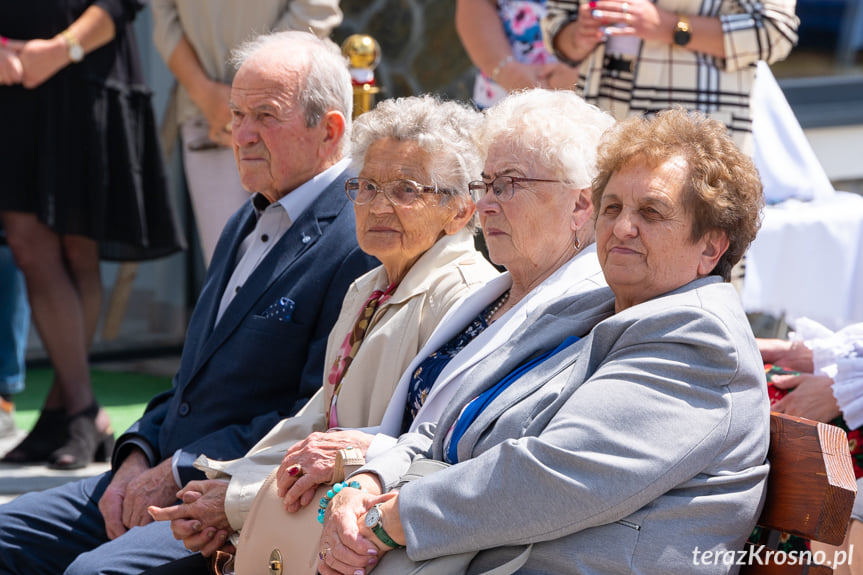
(275, 542)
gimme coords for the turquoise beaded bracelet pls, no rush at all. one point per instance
(331, 492)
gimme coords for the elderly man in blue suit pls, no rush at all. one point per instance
(255, 344)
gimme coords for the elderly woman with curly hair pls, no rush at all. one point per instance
(625, 451)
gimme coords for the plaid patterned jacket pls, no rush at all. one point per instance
(664, 75)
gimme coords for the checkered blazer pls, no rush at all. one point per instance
(664, 75)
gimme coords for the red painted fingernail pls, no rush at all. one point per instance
(593, 4)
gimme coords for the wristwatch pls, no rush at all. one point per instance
(682, 31)
(375, 522)
(76, 52)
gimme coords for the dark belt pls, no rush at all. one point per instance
(618, 64)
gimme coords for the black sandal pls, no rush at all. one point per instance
(85, 443)
(50, 433)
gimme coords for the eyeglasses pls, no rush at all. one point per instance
(503, 187)
(362, 191)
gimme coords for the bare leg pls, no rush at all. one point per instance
(63, 286)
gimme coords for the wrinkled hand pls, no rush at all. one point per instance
(347, 545)
(111, 502)
(200, 520)
(11, 71)
(793, 355)
(135, 487)
(812, 397)
(218, 113)
(316, 456)
(41, 59)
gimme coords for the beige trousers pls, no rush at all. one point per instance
(213, 182)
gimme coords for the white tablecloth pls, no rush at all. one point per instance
(808, 261)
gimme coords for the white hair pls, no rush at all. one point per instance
(446, 130)
(556, 129)
(326, 84)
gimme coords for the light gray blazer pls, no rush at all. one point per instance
(633, 451)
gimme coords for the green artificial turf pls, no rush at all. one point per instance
(123, 395)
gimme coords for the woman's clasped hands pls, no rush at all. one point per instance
(31, 63)
(348, 546)
(599, 19)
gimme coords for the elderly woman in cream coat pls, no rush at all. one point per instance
(414, 213)
(631, 450)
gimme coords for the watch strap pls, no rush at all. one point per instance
(380, 532)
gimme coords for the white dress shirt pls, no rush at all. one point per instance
(273, 221)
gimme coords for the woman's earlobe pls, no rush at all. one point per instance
(715, 245)
(464, 212)
(582, 211)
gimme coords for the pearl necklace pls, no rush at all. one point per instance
(497, 305)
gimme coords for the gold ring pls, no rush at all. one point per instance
(323, 554)
(295, 470)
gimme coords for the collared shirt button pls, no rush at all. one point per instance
(265, 238)
(237, 289)
(306, 238)
(184, 409)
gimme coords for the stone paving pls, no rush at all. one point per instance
(18, 479)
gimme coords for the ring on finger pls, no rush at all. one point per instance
(624, 7)
(295, 470)
(322, 555)
(596, 14)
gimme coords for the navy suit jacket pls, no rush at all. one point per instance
(240, 377)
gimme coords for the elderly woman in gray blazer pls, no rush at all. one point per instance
(631, 450)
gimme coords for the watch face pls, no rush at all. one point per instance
(373, 517)
(76, 53)
(681, 37)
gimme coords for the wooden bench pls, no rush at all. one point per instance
(810, 491)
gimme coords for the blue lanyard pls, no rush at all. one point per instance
(472, 410)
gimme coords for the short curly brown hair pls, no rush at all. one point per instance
(724, 191)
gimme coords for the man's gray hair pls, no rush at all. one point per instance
(446, 130)
(327, 81)
(556, 128)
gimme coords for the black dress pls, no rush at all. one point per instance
(81, 151)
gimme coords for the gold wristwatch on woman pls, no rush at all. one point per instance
(76, 51)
